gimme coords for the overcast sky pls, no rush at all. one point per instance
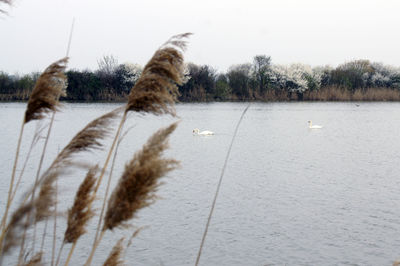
(315, 32)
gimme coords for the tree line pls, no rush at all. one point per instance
(258, 80)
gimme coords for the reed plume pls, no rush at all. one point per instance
(44, 98)
(36, 260)
(21, 219)
(156, 90)
(13, 232)
(140, 180)
(79, 214)
(48, 88)
(87, 139)
(135, 233)
(114, 259)
(138, 183)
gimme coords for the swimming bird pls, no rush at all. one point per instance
(310, 125)
(196, 131)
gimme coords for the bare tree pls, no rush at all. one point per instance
(107, 65)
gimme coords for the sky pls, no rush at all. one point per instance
(226, 32)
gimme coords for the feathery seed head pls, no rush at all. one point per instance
(48, 88)
(156, 90)
(140, 180)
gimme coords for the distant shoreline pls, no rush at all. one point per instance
(328, 94)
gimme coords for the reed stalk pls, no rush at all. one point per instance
(22, 249)
(219, 186)
(155, 92)
(71, 251)
(107, 191)
(44, 234)
(53, 250)
(35, 139)
(10, 189)
(38, 172)
(70, 254)
(44, 98)
(60, 252)
(94, 247)
(57, 87)
(36, 260)
(87, 139)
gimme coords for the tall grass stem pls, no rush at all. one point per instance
(70, 36)
(219, 186)
(95, 245)
(38, 172)
(107, 190)
(59, 253)
(70, 254)
(53, 250)
(97, 239)
(10, 189)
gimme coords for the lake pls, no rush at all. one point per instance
(290, 195)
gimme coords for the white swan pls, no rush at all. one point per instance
(310, 125)
(196, 131)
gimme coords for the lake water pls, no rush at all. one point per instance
(290, 195)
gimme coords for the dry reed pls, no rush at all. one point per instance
(138, 183)
(36, 260)
(80, 213)
(13, 232)
(156, 91)
(140, 180)
(88, 139)
(44, 98)
(376, 94)
(35, 140)
(48, 88)
(114, 258)
(21, 219)
(342, 94)
(219, 186)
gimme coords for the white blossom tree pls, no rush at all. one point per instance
(296, 77)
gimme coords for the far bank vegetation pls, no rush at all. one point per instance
(261, 80)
